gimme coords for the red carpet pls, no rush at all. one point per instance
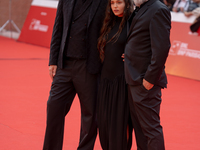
(24, 89)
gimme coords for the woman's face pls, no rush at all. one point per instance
(117, 7)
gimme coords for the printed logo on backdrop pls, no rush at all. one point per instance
(36, 25)
(181, 49)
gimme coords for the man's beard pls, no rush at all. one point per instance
(139, 2)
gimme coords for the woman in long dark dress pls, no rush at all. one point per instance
(113, 111)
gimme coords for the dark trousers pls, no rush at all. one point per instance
(145, 109)
(73, 79)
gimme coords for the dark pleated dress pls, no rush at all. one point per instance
(112, 108)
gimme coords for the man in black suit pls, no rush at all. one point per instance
(146, 51)
(73, 66)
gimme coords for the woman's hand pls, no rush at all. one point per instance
(123, 56)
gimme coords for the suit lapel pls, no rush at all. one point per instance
(127, 28)
(68, 10)
(95, 4)
(83, 8)
(129, 22)
(136, 17)
(139, 14)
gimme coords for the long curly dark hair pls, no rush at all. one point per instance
(109, 22)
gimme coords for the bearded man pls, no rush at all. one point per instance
(146, 51)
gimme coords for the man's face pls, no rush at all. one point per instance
(139, 2)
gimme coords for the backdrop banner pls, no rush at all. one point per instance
(38, 26)
(184, 55)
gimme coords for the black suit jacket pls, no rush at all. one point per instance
(61, 29)
(148, 44)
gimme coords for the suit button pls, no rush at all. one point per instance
(70, 37)
(86, 24)
(83, 39)
(73, 22)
